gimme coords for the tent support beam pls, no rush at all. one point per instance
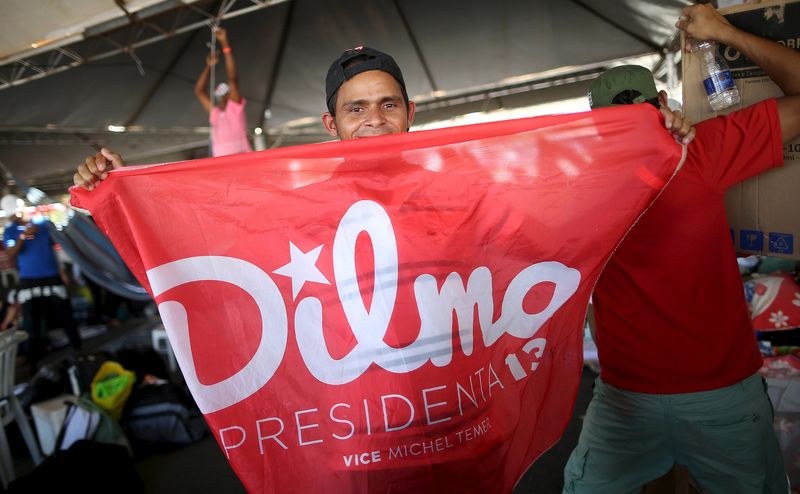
(618, 26)
(416, 46)
(273, 77)
(23, 61)
(161, 78)
(89, 141)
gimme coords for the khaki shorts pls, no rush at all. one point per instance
(723, 436)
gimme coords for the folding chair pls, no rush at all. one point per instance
(10, 409)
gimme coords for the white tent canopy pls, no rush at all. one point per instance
(70, 70)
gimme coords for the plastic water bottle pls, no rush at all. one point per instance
(722, 92)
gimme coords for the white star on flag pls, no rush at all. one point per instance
(301, 268)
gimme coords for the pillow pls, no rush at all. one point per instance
(774, 302)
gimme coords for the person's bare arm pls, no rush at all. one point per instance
(201, 87)
(780, 63)
(230, 64)
(12, 252)
(29, 232)
(11, 314)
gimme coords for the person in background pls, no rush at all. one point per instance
(42, 291)
(679, 381)
(227, 113)
(365, 94)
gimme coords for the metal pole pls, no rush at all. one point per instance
(40, 73)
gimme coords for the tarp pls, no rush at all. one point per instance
(88, 247)
(92, 251)
(393, 314)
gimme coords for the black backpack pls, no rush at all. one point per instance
(160, 416)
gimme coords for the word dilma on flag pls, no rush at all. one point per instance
(394, 314)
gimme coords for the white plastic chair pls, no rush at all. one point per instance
(161, 345)
(10, 408)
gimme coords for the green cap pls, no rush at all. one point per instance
(614, 81)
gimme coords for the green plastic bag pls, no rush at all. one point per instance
(111, 387)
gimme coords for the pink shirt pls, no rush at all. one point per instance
(229, 129)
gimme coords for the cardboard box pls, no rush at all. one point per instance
(763, 212)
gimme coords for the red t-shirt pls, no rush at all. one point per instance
(670, 308)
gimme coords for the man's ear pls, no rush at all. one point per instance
(330, 124)
(663, 99)
(412, 107)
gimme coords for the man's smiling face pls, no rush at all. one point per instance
(369, 104)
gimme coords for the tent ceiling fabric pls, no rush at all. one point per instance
(444, 48)
(27, 24)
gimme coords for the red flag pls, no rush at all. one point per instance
(394, 314)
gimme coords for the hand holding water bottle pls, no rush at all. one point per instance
(705, 27)
(702, 22)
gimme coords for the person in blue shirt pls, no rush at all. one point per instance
(42, 292)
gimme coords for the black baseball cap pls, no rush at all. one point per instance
(345, 68)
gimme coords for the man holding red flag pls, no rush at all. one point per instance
(476, 213)
(679, 361)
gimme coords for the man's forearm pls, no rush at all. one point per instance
(202, 81)
(230, 65)
(12, 252)
(10, 315)
(780, 63)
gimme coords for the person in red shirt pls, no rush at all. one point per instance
(678, 356)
